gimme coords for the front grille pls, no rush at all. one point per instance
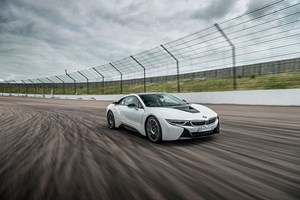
(202, 122)
(197, 123)
(188, 124)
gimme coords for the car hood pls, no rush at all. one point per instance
(195, 111)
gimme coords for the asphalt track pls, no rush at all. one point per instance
(62, 149)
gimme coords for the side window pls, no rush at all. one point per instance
(136, 102)
(132, 100)
(122, 102)
(128, 100)
(139, 104)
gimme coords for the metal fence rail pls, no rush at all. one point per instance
(265, 35)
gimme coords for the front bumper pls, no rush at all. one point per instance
(187, 134)
(171, 132)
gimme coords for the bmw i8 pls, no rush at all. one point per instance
(162, 117)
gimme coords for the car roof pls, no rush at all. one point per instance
(138, 94)
(151, 93)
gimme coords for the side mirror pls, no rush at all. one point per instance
(132, 105)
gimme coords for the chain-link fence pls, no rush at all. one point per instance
(257, 50)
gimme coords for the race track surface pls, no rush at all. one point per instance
(62, 149)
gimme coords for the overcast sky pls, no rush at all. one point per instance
(42, 38)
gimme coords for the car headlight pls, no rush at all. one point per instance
(176, 122)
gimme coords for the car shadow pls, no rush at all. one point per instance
(191, 142)
(188, 142)
(132, 133)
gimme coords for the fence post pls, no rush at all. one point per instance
(34, 86)
(177, 65)
(75, 91)
(87, 82)
(102, 78)
(121, 77)
(64, 91)
(233, 54)
(144, 71)
(13, 84)
(43, 85)
(52, 84)
(19, 87)
(2, 85)
(16, 83)
(26, 86)
(9, 87)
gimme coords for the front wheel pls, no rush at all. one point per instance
(111, 120)
(153, 130)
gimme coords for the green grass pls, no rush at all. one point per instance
(274, 81)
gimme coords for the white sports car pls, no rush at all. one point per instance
(162, 116)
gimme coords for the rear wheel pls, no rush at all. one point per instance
(153, 130)
(111, 120)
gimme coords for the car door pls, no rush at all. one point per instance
(120, 109)
(133, 112)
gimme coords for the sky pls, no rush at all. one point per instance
(43, 38)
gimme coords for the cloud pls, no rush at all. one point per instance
(256, 4)
(212, 10)
(42, 38)
(285, 8)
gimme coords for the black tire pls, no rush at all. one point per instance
(153, 130)
(110, 120)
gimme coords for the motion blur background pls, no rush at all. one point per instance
(256, 50)
(62, 148)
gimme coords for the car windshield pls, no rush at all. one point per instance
(161, 100)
